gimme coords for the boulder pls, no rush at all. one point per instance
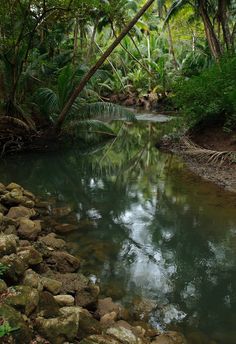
(63, 262)
(21, 211)
(29, 229)
(107, 306)
(13, 186)
(23, 298)
(124, 335)
(142, 308)
(52, 241)
(32, 279)
(7, 244)
(29, 255)
(61, 212)
(87, 297)
(58, 330)
(47, 307)
(89, 326)
(63, 228)
(100, 339)
(64, 300)
(16, 267)
(170, 337)
(51, 285)
(2, 188)
(108, 319)
(13, 198)
(22, 334)
(3, 286)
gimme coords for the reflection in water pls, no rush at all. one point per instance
(146, 227)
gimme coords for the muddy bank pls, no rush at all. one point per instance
(44, 298)
(207, 156)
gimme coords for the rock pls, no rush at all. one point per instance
(87, 297)
(124, 335)
(61, 212)
(107, 306)
(71, 282)
(7, 244)
(58, 330)
(23, 298)
(170, 337)
(2, 188)
(142, 308)
(47, 307)
(3, 286)
(63, 228)
(30, 255)
(23, 334)
(32, 279)
(16, 267)
(64, 300)
(63, 262)
(3, 209)
(51, 285)
(108, 319)
(100, 339)
(13, 197)
(30, 195)
(88, 326)
(21, 211)
(51, 241)
(13, 186)
(29, 229)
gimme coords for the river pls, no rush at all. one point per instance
(145, 227)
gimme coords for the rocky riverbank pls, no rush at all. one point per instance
(44, 298)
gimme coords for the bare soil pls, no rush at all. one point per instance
(213, 138)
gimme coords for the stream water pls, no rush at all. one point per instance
(146, 227)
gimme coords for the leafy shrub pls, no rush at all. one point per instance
(6, 329)
(3, 269)
(210, 96)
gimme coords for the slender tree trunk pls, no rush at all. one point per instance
(76, 31)
(171, 44)
(99, 63)
(223, 19)
(212, 39)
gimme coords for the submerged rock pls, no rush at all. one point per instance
(52, 241)
(87, 297)
(64, 262)
(170, 337)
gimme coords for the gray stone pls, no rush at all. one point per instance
(64, 300)
(7, 244)
(23, 298)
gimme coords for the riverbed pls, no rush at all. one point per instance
(146, 227)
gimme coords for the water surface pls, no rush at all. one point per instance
(146, 226)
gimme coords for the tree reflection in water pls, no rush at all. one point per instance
(146, 226)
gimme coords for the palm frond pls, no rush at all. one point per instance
(174, 9)
(105, 112)
(47, 100)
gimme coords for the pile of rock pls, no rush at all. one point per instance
(43, 297)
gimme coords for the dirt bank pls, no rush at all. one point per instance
(209, 153)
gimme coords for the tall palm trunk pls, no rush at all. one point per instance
(212, 39)
(223, 19)
(98, 64)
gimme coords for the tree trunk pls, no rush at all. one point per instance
(75, 49)
(99, 63)
(212, 39)
(223, 19)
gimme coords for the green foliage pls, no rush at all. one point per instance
(6, 329)
(3, 269)
(210, 96)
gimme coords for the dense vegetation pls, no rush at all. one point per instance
(50, 78)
